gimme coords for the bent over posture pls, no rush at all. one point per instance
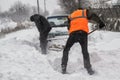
(44, 28)
(78, 32)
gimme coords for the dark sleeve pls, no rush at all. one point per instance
(68, 27)
(92, 16)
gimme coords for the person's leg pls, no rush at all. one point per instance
(84, 45)
(69, 44)
(43, 44)
(43, 40)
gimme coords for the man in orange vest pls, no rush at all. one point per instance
(78, 32)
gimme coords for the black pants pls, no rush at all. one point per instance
(43, 40)
(81, 37)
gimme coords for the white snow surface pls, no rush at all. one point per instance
(21, 58)
(7, 24)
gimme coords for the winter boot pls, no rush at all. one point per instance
(90, 71)
(63, 69)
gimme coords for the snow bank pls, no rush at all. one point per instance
(7, 24)
(20, 60)
(20, 64)
(96, 36)
(109, 41)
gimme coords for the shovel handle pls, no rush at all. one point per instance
(92, 31)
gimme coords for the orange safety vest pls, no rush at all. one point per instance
(78, 21)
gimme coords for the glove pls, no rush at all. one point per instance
(101, 25)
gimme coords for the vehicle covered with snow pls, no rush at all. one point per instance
(59, 25)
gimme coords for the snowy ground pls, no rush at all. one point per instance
(21, 58)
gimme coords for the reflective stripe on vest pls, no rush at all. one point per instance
(78, 21)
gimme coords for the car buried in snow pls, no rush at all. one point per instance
(59, 25)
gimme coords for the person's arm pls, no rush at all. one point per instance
(68, 27)
(94, 17)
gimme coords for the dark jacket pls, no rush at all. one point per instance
(41, 23)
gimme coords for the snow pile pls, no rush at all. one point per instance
(96, 36)
(20, 63)
(20, 60)
(27, 24)
(109, 41)
(7, 24)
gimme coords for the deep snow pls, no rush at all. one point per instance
(21, 58)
